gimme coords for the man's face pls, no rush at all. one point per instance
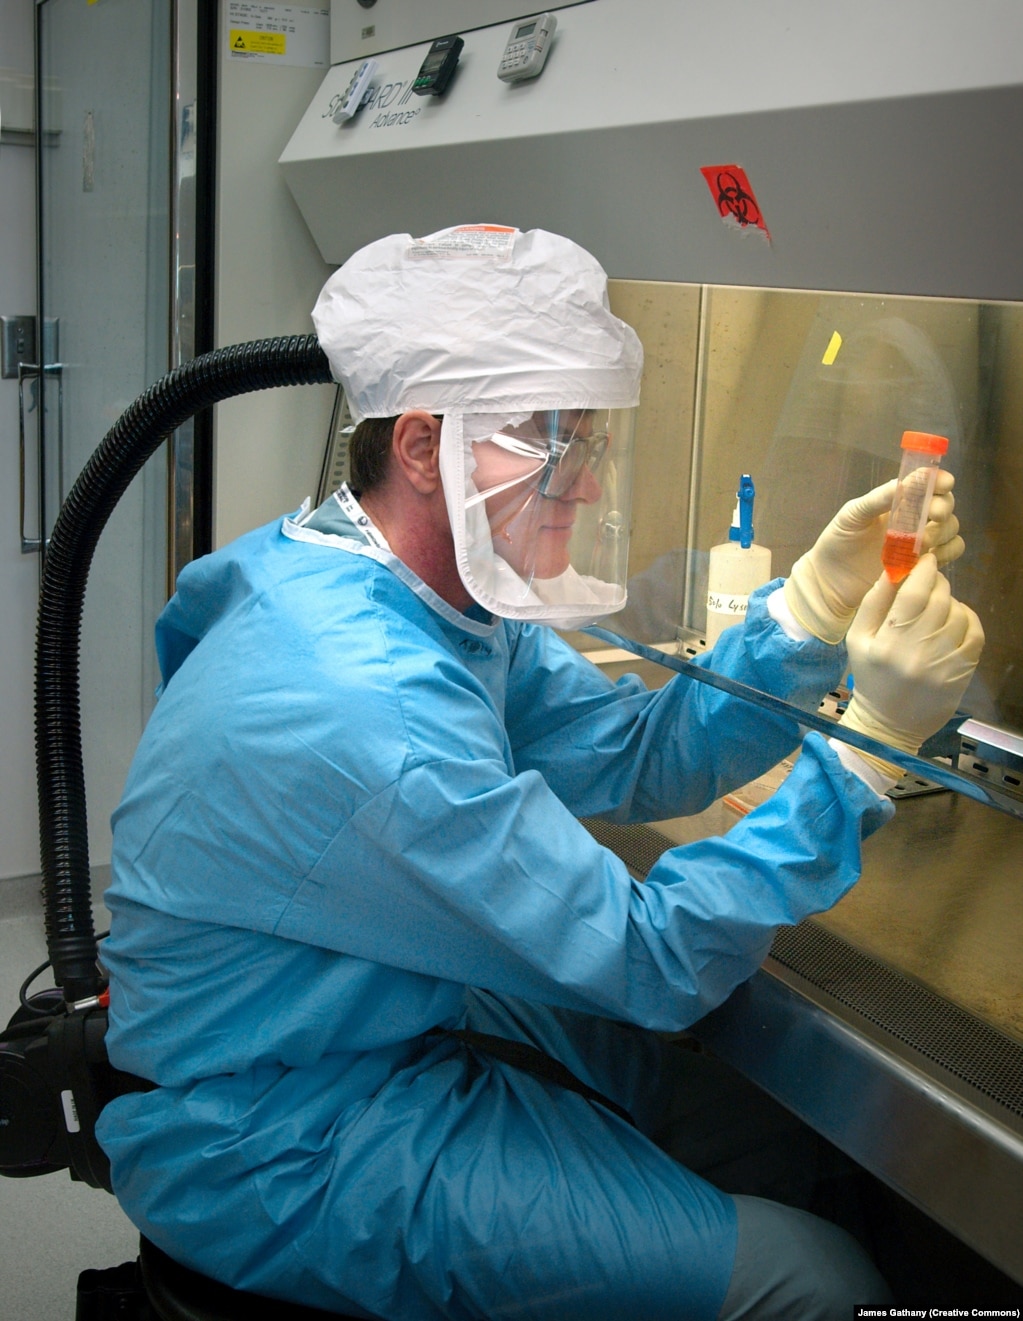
(532, 520)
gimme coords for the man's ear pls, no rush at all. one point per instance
(416, 449)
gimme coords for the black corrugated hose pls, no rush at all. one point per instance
(64, 846)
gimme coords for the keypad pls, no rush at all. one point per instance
(517, 54)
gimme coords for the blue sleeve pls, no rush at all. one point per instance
(463, 872)
(619, 751)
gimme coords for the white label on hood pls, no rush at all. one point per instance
(466, 241)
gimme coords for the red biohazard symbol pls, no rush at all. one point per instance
(733, 195)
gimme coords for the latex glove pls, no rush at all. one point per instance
(912, 650)
(828, 583)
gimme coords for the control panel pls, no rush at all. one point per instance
(437, 69)
(352, 97)
(529, 44)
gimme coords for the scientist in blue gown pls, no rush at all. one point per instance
(350, 834)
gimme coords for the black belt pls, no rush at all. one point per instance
(531, 1060)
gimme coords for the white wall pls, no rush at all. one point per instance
(269, 445)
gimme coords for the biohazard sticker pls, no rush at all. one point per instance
(734, 197)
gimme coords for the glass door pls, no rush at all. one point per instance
(105, 153)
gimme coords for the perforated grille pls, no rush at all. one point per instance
(958, 1041)
(963, 1044)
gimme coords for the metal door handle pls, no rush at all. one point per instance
(29, 371)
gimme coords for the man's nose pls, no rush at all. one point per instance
(585, 489)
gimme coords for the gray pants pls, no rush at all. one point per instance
(793, 1266)
(790, 1265)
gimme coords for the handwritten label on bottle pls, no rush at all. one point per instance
(723, 604)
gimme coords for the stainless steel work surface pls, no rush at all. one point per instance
(941, 899)
(894, 1023)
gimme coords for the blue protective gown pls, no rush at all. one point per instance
(351, 807)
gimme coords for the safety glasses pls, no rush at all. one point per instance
(558, 461)
(566, 462)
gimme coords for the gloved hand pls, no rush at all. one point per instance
(912, 650)
(828, 583)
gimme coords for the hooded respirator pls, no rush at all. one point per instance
(509, 336)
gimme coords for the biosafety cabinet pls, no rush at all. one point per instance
(810, 213)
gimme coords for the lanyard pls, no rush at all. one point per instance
(362, 522)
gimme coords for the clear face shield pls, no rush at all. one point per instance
(540, 508)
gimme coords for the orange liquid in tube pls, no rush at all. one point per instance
(899, 554)
(921, 458)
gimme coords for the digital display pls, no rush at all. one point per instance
(438, 66)
(525, 30)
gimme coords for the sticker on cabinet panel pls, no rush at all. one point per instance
(278, 34)
(734, 197)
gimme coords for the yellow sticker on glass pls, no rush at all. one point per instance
(831, 352)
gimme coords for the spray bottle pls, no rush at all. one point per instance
(737, 566)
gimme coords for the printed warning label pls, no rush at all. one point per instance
(259, 43)
(466, 241)
(264, 33)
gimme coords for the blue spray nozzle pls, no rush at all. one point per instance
(742, 531)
